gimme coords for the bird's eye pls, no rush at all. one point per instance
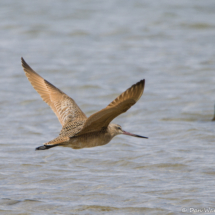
(118, 128)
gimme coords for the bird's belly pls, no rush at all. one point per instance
(88, 141)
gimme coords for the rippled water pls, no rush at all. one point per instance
(93, 51)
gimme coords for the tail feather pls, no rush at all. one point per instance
(45, 147)
(56, 142)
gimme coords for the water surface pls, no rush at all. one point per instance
(93, 51)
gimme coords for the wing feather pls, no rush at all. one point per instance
(121, 104)
(65, 108)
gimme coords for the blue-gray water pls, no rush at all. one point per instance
(93, 51)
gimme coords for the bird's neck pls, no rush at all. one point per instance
(112, 132)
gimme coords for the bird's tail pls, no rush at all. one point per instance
(45, 147)
(56, 142)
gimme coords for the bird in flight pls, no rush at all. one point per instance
(78, 131)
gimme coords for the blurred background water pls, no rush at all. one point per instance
(93, 51)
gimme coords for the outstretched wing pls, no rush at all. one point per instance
(63, 106)
(121, 104)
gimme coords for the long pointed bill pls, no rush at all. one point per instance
(134, 135)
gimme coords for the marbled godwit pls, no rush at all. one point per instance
(78, 131)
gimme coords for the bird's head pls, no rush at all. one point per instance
(117, 129)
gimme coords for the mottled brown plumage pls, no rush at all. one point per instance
(78, 131)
